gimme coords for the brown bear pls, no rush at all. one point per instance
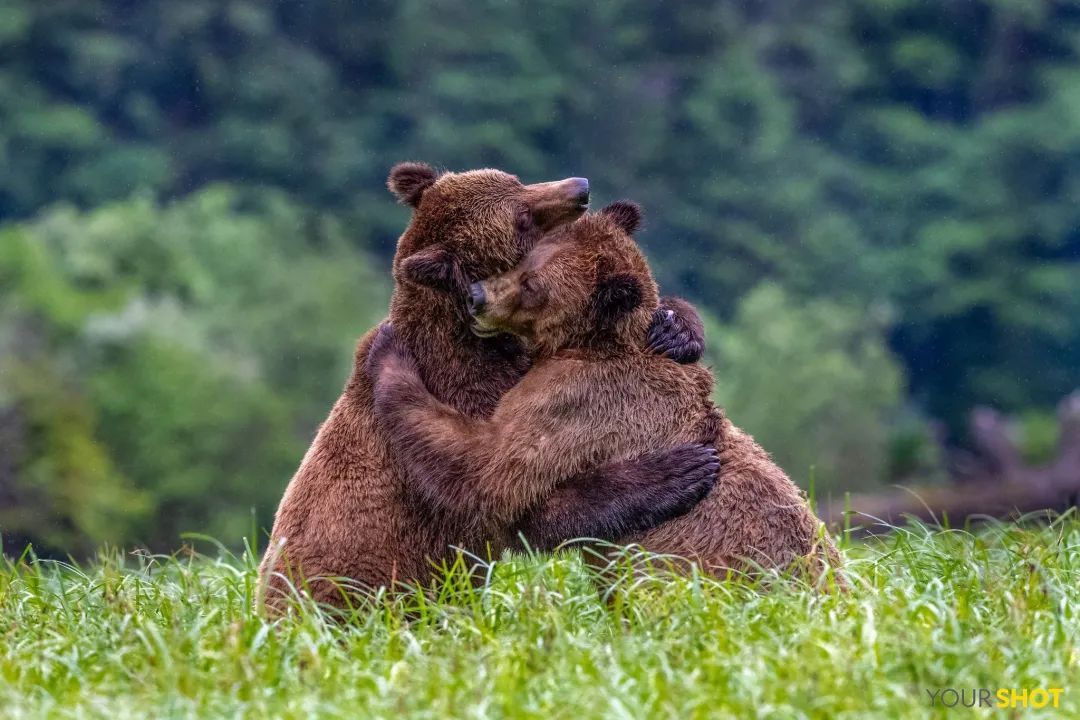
(582, 300)
(349, 515)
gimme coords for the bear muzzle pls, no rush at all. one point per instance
(557, 203)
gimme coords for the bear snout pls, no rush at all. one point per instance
(476, 299)
(556, 203)
(579, 190)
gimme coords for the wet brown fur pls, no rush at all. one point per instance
(583, 299)
(348, 512)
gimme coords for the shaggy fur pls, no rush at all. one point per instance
(349, 511)
(583, 300)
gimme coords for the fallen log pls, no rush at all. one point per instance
(993, 481)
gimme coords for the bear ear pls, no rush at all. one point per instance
(409, 180)
(616, 295)
(432, 267)
(625, 213)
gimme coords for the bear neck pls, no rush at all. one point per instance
(465, 371)
(628, 337)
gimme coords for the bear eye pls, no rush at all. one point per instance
(532, 295)
(524, 220)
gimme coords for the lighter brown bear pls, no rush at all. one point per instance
(582, 300)
(348, 514)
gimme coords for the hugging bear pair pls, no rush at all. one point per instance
(529, 383)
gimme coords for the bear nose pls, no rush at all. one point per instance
(476, 299)
(580, 190)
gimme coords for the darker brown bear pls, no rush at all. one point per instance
(582, 301)
(348, 514)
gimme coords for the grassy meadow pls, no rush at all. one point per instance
(133, 635)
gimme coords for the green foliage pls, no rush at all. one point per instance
(923, 155)
(1038, 437)
(178, 637)
(168, 364)
(923, 158)
(62, 488)
(914, 451)
(814, 383)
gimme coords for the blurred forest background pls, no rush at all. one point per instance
(876, 202)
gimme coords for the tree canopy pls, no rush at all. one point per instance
(193, 197)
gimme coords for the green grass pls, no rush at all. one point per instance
(131, 636)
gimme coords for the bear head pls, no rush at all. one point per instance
(474, 224)
(583, 286)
